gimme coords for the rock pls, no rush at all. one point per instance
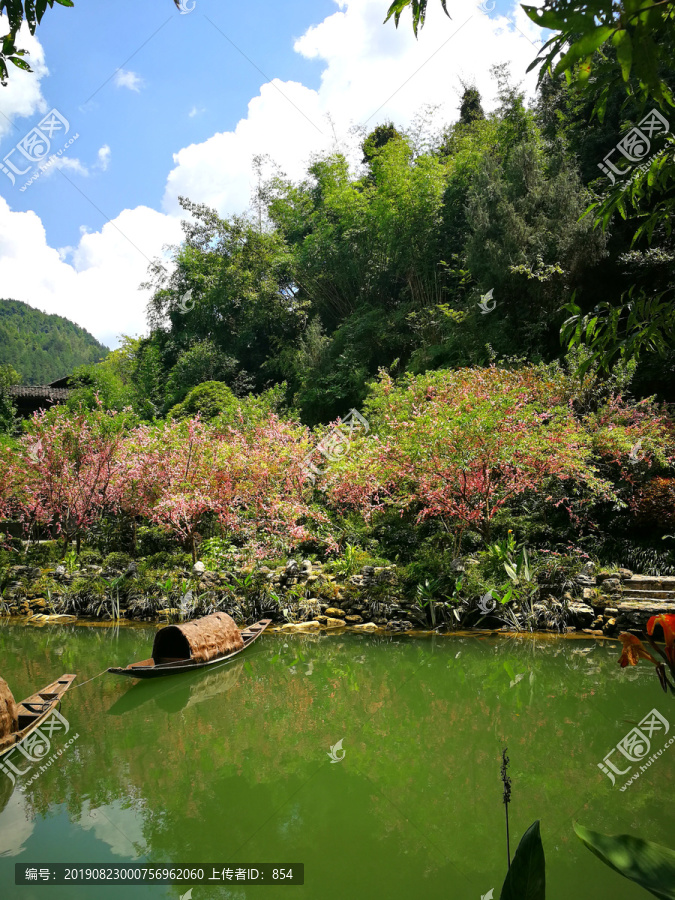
(398, 625)
(610, 611)
(263, 570)
(582, 614)
(457, 565)
(333, 623)
(40, 603)
(585, 580)
(168, 613)
(625, 574)
(24, 572)
(636, 614)
(367, 626)
(292, 568)
(589, 568)
(306, 566)
(199, 568)
(368, 571)
(605, 576)
(588, 593)
(353, 620)
(334, 612)
(60, 617)
(609, 627)
(60, 571)
(301, 626)
(611, 585)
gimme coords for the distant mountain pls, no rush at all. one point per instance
(43, 347)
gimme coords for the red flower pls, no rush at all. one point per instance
(633, 651)
(667, 623)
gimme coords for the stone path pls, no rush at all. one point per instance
(643, 596)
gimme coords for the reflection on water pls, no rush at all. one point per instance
(16, 824)
(117, 826)
(173, 694)
(232, 765)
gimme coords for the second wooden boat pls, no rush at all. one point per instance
(18, 720)
(194, 645)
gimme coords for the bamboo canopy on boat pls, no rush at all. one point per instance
(200, 640)
(9, 718)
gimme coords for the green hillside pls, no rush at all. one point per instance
(43, 347)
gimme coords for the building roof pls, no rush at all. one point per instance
(39, 391)
(60, 382)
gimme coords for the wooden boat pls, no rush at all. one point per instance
(194, 645)
(18, 720)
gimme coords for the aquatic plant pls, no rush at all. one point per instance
(647, 864)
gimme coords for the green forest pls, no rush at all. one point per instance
(385, 265)
(42, 347)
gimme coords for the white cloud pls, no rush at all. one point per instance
(104, 157)
(218, 170)
(23, 94)
(67, 163)
(126, 78)
(371, 65)
(196, 112)
(94, 284)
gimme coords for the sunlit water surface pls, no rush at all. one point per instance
(233, 765)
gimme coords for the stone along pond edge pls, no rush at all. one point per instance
(311, 600)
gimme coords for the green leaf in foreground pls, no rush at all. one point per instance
(649, 865)
(526, 879)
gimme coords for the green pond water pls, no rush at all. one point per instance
(233, 765)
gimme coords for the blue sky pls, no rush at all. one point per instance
(165, 104)
(184, 65)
